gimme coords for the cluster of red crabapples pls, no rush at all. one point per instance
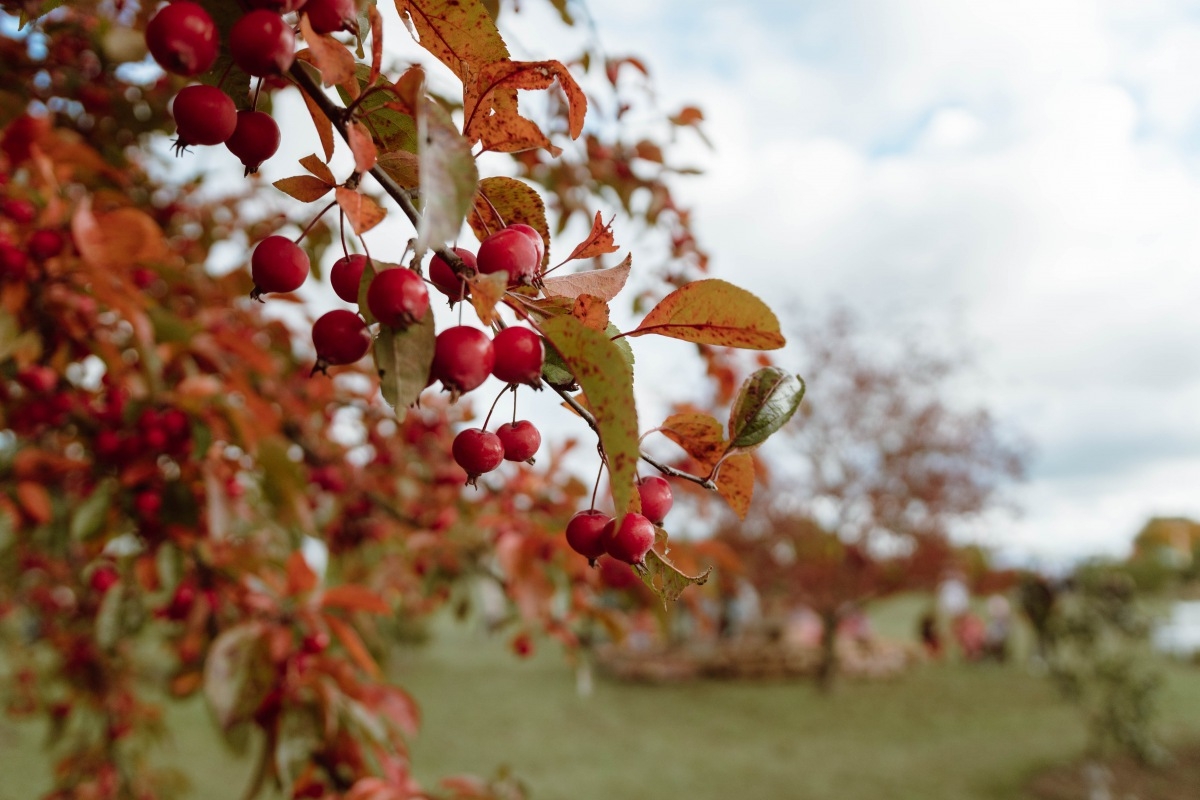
(184, 40)
(593, 533)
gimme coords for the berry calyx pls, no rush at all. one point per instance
(262, 44)
(346, 275)
(539, 244)
(449, 282)
(204, 115)
(255, 139)
(510, 251)
(477, 451)
(656, 497)
(183, 39)
(631, 541)
(330, 16)
(519, 356)
(397, 297)
(340, 337)
(462, 359)
(521, 440)
(585, 533)
(278, 265)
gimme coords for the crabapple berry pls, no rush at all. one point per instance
(340, 337)
(585, 533)
(519, 356)
(631, 541)
(656, 497)
(462, 358)
(203, 115)
(510, 251)
(183, 39)
(346, 275)
(104, 578)
(278, 265)
(45, 243)
(449, 282)
(397, 297)
(521, 440)
(538, 243)
(262, 44)
(477, 451)
(330, 16)
(255, 139)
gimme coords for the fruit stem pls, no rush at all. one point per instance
(315, 220)
(488, 418)
(596, 486)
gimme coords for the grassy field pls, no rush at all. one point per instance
(940, 732)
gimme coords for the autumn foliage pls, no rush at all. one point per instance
(184, 508)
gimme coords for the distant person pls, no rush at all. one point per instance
(999, 628)
(1037, 596)
(971, 634)
(927, 630)
(953, 597)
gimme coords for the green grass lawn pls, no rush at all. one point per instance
(939, 732)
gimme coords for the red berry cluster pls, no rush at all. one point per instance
(184, 40)
(593, 533)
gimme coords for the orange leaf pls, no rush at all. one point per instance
(117, 239)
(362, 146)
(486, 292)
(480, 101)
(688, 116)
(701, 435)
(598, 242)
(332, 59)
(714, 311)
(353, 644)
(735, 482)
(376, 42)
(463, 36)
(591, 311)
(499, 202)
(300, 577)
(319, 168)
(362, 211)
(354, 598)
(35, 501)
(603, 283)
(323, 124)
(304, 188)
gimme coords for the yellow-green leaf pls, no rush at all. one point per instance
(601, 369)
(665, 580)
(766, 401)
(504, 201)
(403, 359)
(448, 176)
(701, 435)
(714, 311)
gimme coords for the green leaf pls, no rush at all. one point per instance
(403, 359)
(392, 130)
(364, 283)
(448, 176)
(603, 371)
(766, 401)
(716, 312)
(108, 617)
(622, 345)
(89, 516)
(665, 580)
(555, 371)
(238, 673)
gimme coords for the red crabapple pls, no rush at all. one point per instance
(262, 44)
(254, 139)
(449, 282)
(656, 497)
(521, 440)
(631, 541)
(585, 533)
(278, 265)
(477, 451)
(346, 275)
(340, 337)
(183, 39)
(330, 16)
(510, 251)
(539, 243)
(204, 115)
(397, 297)
(462, 358)
(519, 356)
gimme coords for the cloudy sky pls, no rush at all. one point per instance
(1019, 178)
(1020, 175)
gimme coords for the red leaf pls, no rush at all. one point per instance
(591, 311)
(362, 146)
(485, 105)
(735, 482)
(319, 168)
(463, 36)
(716, 312)
(354, 598)
(332, 59)
(323, 124)
(353, 644)
(35, 501)
(598, 242)
(300, 577)
(304, 188)
(362, 211)
(376, 42)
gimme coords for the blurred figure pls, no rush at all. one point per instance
(999, 627)
(927, 630)
(971, 634)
